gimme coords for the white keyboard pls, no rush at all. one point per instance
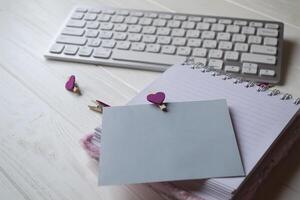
(246, 48)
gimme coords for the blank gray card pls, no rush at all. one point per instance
(192, 140)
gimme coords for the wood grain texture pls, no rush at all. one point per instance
(41, 123)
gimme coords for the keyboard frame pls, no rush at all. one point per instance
(160, 68)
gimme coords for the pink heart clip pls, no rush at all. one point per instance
(72, 86)
(158, 99)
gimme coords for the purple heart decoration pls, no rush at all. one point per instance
(70, 84)
(157, 98)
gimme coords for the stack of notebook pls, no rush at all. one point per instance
(265, 124)
(260, 117)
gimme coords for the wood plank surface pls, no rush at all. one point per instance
(41, 123)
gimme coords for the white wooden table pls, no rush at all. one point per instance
(41, 123)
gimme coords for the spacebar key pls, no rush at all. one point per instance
(149, 58)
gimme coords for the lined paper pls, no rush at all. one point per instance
(258, 119)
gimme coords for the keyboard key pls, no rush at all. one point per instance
(232, 29)
(266, 72)
(149, 29)
(179, 41)
(85, 51)
(123, 12)
(137, 13)
(94, 10)
(263, 49)
(174, 24)
(203, 26)
(223, 36)
(208, 35)
(76, 24)
(192, 33)
(165, 16)
(117, 19)
(200, 61)
(184, 51)
(145, 21)
(248, 30)
(73, 31)
(194, 18)
(81, 9)
(231, 55)
(240, 22)
(159, 22)
(238, 38)
(134, 37)
(108, 44)
(254, 39)
(194, 42)
(134, 28)
(91, 33)
(199, 52)
(180, 17)
(210, 20)
(241, 47)
(123, 45)
(258, 58)
(163, 40)
(108, 11)
(232, 68)
(102, 53)
(120, 36)
(105, 34)
(90, 17)
(178, 32)
(218, 27)
(163, 31)
(120, 27)
(213, 53)
(168, 49)
(104, 18)
(131, 20)
(225, 45)
(272, 25)
(188, 25)
(137, 46)
(57, 48)
(249, 68)
(145, 57)
(267, 32)
(149, 38)
(155, 48)
(212, 44)
(77, 15)
(92, 25)
(225, 21)
(70, 50)
(71, 40)
(256, 24)
(150, 15)
(270, 41)
(94, 42)
(216, 64)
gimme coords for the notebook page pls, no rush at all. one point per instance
(258, 119)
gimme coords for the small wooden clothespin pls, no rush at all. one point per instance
(72, 86)
(158, 99)
(99, 106)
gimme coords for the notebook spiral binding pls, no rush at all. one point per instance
(261, 87)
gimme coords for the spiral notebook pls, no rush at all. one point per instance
(259, 118)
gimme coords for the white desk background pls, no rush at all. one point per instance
(41, 123)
